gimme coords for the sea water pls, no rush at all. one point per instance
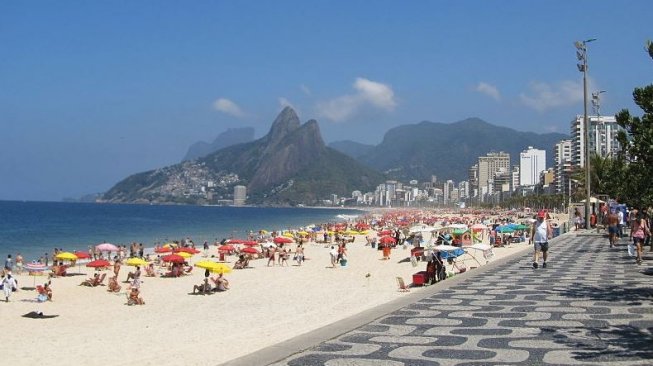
(36, 228)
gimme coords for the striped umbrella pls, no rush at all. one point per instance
(35, 269)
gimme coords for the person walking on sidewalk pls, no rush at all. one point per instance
(638, 232)
(540, 234)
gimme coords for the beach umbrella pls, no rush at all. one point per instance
(106, 247)
(170, 245)
(173, 258)
(387, 240)
(163, 250)
(82, 255)
(185, 255)
(206, 264)
(250, 243)
(134, 261)
(282, 240)
(250, 250)
(220, 268)
(186, 250)
(385, 232)
(35, 269)
(66, 256)
(288, 234)
(478, 227)
(100, 263)
(226, 248)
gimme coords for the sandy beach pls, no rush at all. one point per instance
(264, 306)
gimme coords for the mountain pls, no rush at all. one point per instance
(290, 165)
(351, 148)
(230, 137)
(418, 151)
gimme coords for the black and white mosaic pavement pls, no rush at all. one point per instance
(591, 306)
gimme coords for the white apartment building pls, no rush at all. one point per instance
(562, 166)
(240, 195)
(491, 165)
(532, 162)
(602, 137)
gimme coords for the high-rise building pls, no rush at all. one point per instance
(490, 165)
(240, 195)
(602, 137)
(532, 162)
(562, 166)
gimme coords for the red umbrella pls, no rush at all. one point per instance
(174, 258)
(387, 239)
(235, 241)
(250, 250)
(226, 248)
(163, 250)
(385, 232)
(98, 263)
(282, 240)
(82, 255)
(187, 250)
(250, 243)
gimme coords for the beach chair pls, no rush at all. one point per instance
(402, 285)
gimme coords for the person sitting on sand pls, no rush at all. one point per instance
(149, 270)
(203, 288)
(221, 283)
(242, 262)
(91, 282)
(136, 276)
(113, 284)
(133, 298)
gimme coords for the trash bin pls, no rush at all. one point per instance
(343, 262)
(221, 256)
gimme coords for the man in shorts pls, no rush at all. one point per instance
(540, 235)
(613, 228)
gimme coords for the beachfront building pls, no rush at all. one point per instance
(532, 162)
(240, 195)
(602, 137)
(489, 167)
(562, 166)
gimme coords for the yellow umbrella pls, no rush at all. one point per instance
(288, 234)
(135, 262)
(364, 232)
(184, 254)
(170, 245)
(263, 232)
(220, 268)
(66, 256)
(206, 264)
(351, 232)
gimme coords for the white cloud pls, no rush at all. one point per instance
(227, 106)
(283, 103)
(305, 89)
(489, 90)
(368, 93)
(544, 96)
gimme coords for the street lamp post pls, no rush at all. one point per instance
(581, 54)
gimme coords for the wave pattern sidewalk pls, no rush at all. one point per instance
(592, 305)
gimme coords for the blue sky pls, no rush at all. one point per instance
(93, 91)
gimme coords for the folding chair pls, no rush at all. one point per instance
(402, 285)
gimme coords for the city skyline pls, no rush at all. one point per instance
(95, 92)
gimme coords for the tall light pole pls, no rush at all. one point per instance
(581, 54)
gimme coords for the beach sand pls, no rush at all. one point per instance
(265, 306)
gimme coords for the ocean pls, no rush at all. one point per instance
(36, 228)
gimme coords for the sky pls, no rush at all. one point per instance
(93, 91)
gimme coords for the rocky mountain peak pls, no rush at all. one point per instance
(285, 123)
